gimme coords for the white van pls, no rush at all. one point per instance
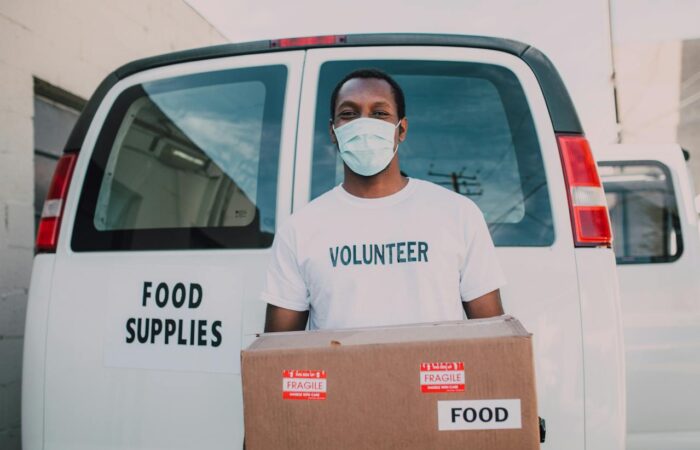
(657, 244)
(156, 233)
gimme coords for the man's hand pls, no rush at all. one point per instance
(282, 319)
(488, 305)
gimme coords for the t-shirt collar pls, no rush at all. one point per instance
(377, 202)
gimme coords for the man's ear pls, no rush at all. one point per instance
(403, 128)
(331, 132)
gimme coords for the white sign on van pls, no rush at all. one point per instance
(173, 318)
(479, 414)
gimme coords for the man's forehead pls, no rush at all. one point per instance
(372, 87)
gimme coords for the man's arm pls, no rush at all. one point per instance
(283, 319)
(488, 305)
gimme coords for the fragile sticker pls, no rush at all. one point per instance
(442, 377)
(499, 414)
(304, 384)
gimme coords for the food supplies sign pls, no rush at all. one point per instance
(170, 318)
(304, 384)
(442, 377)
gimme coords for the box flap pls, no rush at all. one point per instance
(502, 326)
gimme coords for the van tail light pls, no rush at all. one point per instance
(308, 41)
(50, 221)
(587, 205)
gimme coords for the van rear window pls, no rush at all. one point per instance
(643, 212)
(470, 130)
(186, 162)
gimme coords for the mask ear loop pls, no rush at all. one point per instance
(397, 143)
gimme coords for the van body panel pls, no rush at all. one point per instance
(34, 353)
(120, 401)
(550, 309)
(559, 103)
(682, 440)
(101, 394)
(604, 370)
(661, 318)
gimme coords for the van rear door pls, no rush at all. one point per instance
(181, 180)
(478, 124)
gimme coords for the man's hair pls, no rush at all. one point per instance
(377, 74)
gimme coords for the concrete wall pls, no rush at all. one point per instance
(657, 61)
(658, 91)
(689, 105)
(648, 87)
(71, 44)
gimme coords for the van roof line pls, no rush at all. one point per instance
(559, 103)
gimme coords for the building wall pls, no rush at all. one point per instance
(658, 92)
(73, 45)
(647, 80)
(689, 105)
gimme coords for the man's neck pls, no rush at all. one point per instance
(385, 183)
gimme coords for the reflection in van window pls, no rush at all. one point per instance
(643, 212)
(470, 130)
(185, 158)
(194, 152)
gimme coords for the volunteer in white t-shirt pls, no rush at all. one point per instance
(381, 248)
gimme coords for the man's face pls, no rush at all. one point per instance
(367, 97)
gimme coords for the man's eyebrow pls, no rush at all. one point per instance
(346, 103)
(355, 105)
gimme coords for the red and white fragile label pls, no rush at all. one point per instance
(304, 384)
(442, 377)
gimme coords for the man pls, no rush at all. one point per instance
(381, 248)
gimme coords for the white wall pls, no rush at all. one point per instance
(72, 44)
(657, 61)
(648, 80)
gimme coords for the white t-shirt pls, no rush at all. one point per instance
(410, 257)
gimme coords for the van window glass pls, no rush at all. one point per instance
(643, 212)
(470, 130)
(187, 162)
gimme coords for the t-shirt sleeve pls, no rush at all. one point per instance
(284, 284)
(481, 272)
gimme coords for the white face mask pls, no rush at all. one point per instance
(366, 145)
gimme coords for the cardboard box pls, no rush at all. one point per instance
(454, 385)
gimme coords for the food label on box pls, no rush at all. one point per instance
(304, 384)
(442, 377)
(479, 414)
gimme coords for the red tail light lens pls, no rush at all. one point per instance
(50, 221)
(587, 205)
(309, 40)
